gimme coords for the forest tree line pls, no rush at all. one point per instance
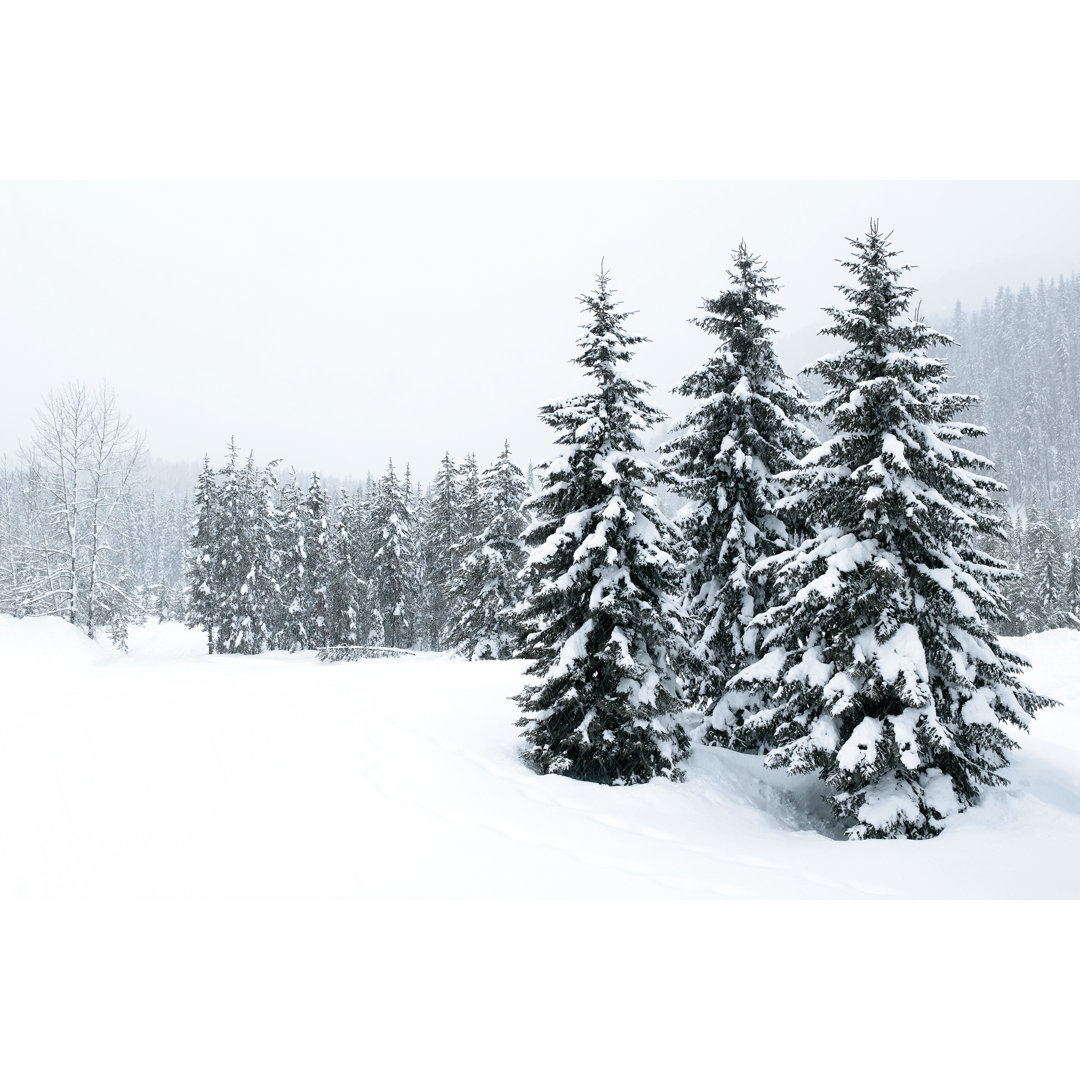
(275, 566)
(141, 564)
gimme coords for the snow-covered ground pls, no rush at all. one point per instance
(169, 774)
(261, 867)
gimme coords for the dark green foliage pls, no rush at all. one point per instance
(743, 431)
(881, 671)
(601, 625)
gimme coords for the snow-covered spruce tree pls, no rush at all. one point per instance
(1071, 592)
(417, 506)
(725, 458)
(234, 553)
(440, 548)
(487, 588)
(1046, 569)
(602, 628)
(204, 559)
(1016, 605)
(320, 569)
(393, 572)
(293, 521)
(346, 588)
(883, 673)
(474, 511)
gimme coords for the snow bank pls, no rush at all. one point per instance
(25, 644)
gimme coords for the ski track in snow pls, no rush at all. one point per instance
(170, 774)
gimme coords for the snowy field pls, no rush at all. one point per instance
(169, 774)
(260, 867)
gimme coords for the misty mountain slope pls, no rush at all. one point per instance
(168, 773)
(1021, 353)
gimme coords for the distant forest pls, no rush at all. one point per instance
(1021, 355)
(126, 543)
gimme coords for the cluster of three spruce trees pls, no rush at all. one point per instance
(826, 605)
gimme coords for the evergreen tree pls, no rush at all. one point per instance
(882, 672)
(602, 626)
(1014, 589)
(267, 579)
(317, 517)
(293, 528)
(488, 588)
(204, 560)
(393, 574)
(441, 548)
(346, 588)
(1070, 597)
(1047, 571)
(726, 458)
(474, 510)
(233, 555)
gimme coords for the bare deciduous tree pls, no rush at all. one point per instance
(76, 475)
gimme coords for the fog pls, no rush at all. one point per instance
(336, 325)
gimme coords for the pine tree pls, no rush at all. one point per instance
(726, 458)
(1046, 571)
(441, 548)
(601, 623)
(318, 614)
(474, 510)
(233, 554)
(1070, 596)
(204, 560)
(488, 588)
(1014, 589)
(883, 673)
(393, 573)
(346, 588)
(293, 529)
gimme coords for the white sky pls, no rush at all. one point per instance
(481, 162)
(337, 324)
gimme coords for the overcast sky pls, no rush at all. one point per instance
(335, 325)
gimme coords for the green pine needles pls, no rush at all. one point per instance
(601, 626)
(879, 669)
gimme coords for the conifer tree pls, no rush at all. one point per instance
(1070, 598)
(474, 510)
(345, 588)
(393, 575)
(254, 600)
(488, 587)
(1046, 570)
(601, 624)
(293, 528)
(1014, 588)
(317, 614)
(441, 548)
(363, 551)
(204, 559)
(882, 672)
(725, 458)
(234, 555)
(268, 581)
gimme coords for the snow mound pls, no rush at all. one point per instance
(26, 643)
